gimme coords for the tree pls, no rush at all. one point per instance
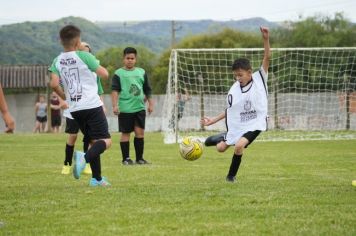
(227, 38)
(317, 31)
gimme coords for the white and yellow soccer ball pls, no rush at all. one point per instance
(190, 148)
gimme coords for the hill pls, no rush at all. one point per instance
(161, 29)
(38, 43)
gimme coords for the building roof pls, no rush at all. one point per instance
(24, 76)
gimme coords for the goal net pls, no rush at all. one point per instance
(312, 92)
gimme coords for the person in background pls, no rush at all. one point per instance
(56, 119)
(41, 115)
(130, 89)
(84, 46)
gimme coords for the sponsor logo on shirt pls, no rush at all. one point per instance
(134, 90)
(68, 61)
(248, 114)
(75, 98)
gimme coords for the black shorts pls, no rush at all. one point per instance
(92, 123)
(56, 121)
(41, 119)
(251, 136)
(128, 121)
(72, 126)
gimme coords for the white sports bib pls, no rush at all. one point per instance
(246, 108)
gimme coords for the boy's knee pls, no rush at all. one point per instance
(108, 143)
(239, 148)
(221, 147)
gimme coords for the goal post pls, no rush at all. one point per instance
(312, 92)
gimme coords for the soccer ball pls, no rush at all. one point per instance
(190, 148)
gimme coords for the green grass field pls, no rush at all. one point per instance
(283, 188)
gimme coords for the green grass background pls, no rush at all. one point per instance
(283, 188)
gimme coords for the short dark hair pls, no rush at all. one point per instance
(68, 33)
(130, 50)
(241, 63)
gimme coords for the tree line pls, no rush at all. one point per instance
(316, 31)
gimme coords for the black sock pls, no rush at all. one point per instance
(69, 155)
(85, 145)
(235, 164)
(215, 139)
(125, 150)
(95, 166)
(96, 149)
(139, 145)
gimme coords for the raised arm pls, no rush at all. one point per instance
(267, 53)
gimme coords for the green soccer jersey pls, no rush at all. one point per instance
(100, 86)
(133, 86)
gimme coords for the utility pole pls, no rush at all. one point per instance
(174, 29)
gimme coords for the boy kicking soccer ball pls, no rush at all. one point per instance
(246, 112)
(75, 71)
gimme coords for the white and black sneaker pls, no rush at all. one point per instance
(127, 162)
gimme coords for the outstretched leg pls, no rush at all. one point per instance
(215, 139)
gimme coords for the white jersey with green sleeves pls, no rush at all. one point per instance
(75, 70)
(66, 112)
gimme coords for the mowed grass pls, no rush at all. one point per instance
(283, 188)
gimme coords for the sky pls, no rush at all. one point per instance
(14, 11)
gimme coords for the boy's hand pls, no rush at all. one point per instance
(265, 32)
(9, 122)
(104, 109)
(64, 105)
(116, 110)
(206, 121)
(150, 108)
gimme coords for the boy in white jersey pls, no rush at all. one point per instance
(246, 112)
(72, 127)
(75, 71)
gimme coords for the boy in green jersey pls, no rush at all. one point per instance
(130, 90)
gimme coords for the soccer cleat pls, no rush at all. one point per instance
(142, 162)
(127, 161)
(87, 169)
(103, 182)
(66, 169)
(79, 164)
(231, 179)
(215, 139)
